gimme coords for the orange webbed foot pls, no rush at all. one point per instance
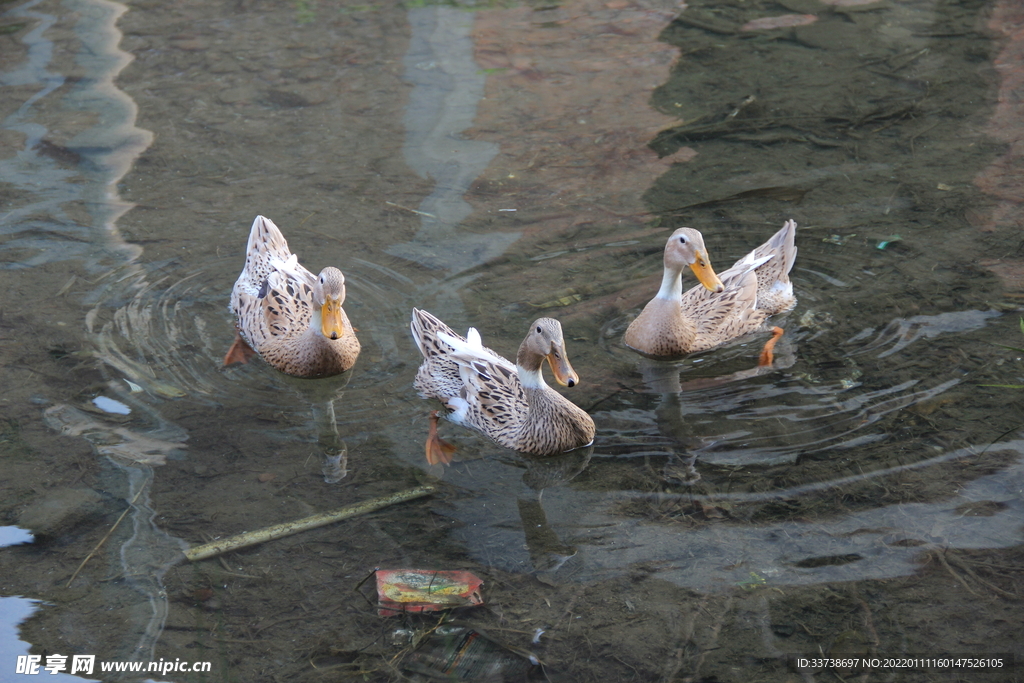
(767, 353)
(437, 449)
(240, 352)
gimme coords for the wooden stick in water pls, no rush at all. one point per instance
(104, 539)
(244, 540)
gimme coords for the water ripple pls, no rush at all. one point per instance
(168, 337)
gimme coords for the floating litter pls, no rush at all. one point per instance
(458, 653)
(109, 405)
(414, 590)
(891, 238)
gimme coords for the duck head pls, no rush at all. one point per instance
(686, 248)
(329, 295)
(545, 342)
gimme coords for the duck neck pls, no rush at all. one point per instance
(315, 325)
(312, 334)
(531, 379)
(671, 284)
(528, 366)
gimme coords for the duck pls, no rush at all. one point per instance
(721, 307)
(509, 403)
(293, 319)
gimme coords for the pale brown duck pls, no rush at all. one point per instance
(293, 319)
(720, 308)
(509, 403)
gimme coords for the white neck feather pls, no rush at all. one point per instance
(531, 379)
(671, 285)
(316, 323)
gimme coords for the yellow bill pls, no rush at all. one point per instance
(331, 322)
(701, 267)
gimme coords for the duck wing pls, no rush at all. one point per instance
(492, 400)
(266, 248)
(448, 354)
(774, 289)
(732, 313)
(287, 304)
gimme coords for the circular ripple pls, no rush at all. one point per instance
(851, 377)
(168, 339)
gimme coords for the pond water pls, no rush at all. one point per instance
(493, 164)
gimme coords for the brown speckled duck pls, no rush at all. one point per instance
(290, 317)
(511, 404)
(720, 308)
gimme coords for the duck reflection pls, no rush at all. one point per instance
(548, 552)
(322, 396)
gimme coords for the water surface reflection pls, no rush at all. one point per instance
(725, 518)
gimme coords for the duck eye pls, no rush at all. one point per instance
(682, 240)
(538, 330)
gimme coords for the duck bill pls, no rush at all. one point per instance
(331, 322)
(560, 368)
(701, 267)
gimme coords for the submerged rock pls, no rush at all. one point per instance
(61, 510)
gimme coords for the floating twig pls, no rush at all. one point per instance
(244, 540)
(104, 539)
(406, 208)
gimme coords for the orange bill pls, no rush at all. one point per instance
(701, 267)
(331, 322)
(563, 372)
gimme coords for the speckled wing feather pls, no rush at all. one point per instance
(481, 387)
(499, 406)
(721, 317)
(274, 293)
(266, 246)
(440, 374)
(426, 330)
(287, 305)
(774, 289)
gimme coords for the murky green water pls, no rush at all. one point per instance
(861, 498)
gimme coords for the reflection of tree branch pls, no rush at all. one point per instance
(781, 193)
(790, 128)
(708, 24)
